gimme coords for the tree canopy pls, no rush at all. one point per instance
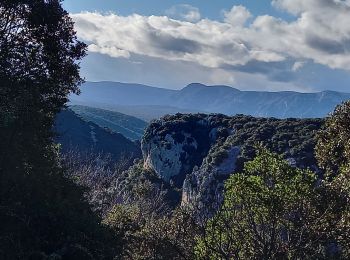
(42, 213)
(39, 67)
(333, 146)
(270, 211)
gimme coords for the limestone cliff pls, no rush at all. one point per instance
(197, 152)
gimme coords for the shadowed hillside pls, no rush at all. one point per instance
(129, 126)
(75, 133)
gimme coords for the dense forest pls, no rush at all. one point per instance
(68, 205)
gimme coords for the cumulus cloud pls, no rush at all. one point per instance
(185, 12)
(209, 43)
(237, 16)
(319, 33)
(297, 7)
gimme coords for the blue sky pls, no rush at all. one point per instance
(273, 45)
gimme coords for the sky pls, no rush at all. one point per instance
(268, 45)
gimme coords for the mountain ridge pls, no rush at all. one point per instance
(197, 97)
(130, 84)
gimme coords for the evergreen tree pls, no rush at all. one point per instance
(41, 212)
(333, 155)
(270, 211)
(333, 146)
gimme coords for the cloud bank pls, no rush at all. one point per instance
(319, 34)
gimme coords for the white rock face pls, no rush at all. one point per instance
(228, 166)
(167, 155)
(164, 156)
(203, 187)
(200, 162)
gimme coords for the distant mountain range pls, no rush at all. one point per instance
(147, 102)
(73, 132)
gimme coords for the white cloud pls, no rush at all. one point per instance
(185, 12)
(237, 16)
(206, 42)
(297, 7)
(298, 65)
(109, 50)
(292, 6)
(267, 56)
(320, 33)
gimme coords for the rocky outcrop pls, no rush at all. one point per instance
(172, 148)
(76, 134)
(197, 153)
(204, 186)
(166, 157)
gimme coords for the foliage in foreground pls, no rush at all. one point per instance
(42, 213)
(150, 236)
(135, 207)
(333, 154)
(272, 211)
(333, 147)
